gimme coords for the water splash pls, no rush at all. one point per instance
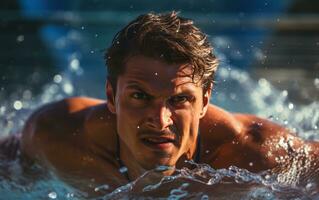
(203, 181)
(236, 90)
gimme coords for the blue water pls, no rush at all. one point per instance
(235, 90)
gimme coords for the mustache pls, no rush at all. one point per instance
(171, 132)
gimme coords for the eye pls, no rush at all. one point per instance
(179, 99)
(140, 96)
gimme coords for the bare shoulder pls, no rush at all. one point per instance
(58, 126)
(76, 137)
(247, 141)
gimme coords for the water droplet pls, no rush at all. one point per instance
(284, 93)
(291, 106)
(68, 88)
(204, 197)
(20, 38)
(57, 78)
(69, 195)
(102, 187)
(316, 83)
(123, 170)
(17, 105)
(74, 64)
(52, 195)
(27, 94)
(92, 51)
(82, 27)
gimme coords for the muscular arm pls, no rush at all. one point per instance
(248, 141)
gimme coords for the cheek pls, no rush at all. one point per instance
(127, 120)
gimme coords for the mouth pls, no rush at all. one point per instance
(159, 143)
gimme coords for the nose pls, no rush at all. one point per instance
(159, 117)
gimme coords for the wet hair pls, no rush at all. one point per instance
(166, 37)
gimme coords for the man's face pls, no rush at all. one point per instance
(157, 107)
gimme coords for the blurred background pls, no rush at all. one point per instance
(42, 39)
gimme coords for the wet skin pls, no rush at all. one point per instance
(156, 112)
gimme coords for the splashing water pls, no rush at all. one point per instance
(236, 91)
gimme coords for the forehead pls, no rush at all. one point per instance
(157, 75)
(145, 70)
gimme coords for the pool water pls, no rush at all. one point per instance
(235, 90)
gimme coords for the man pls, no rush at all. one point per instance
(160, 77)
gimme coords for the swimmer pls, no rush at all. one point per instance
(160, 76)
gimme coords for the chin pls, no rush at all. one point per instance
(157, 162)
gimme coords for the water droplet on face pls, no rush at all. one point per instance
(102, 187)
(204, 197)
(52, 195)
(123, 170)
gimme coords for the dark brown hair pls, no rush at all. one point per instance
(166, 37)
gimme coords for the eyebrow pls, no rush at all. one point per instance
(137, 85)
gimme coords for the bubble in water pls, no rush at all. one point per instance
(52, 195)
(17, 105)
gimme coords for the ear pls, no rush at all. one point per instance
(110, 97)
(206, 100)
